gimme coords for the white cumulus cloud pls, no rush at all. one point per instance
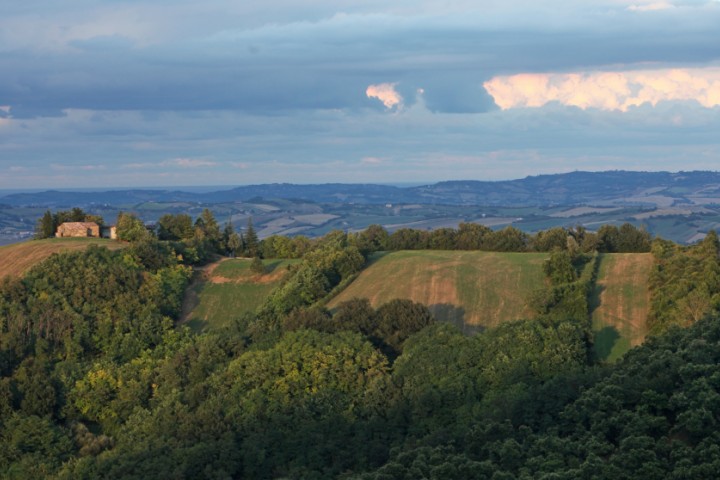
(386, 93)
(607, 90)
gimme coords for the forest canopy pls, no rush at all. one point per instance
(100, 381)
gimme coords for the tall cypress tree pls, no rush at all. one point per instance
(46, 226)
(252, 244)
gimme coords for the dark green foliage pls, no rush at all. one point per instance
(549, 240)
(685, 283)
(471, 236)
(208, 231)
(175, 227)
(256, 266)
(356, 315)
(373, 239)
(397, 320)
(309, 319)
(252, 244)
(408, 239)
(509, 239)
(559, 268)
(279, 246)
(46, 226)
(627, 238)
(321, 269)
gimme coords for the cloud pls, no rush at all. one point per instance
(187, 163)
(66, 167)
(5, 115)
(607, 90)
(371, 161)
(386, 93)
(649, 7)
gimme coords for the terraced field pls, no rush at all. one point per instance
(18, 258)
(470, 289)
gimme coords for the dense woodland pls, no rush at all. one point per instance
(98, 380)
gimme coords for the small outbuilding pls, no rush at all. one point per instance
(78, 229)
(109, 232)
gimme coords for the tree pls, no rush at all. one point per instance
(251, 240)
(397, 320)
(471, 236)
(228, 232)
(175, 227)
(46, 226)
(234, 244)
(130, 228)
(256, 266)
(210, 230)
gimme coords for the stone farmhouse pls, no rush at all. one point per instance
(85, 229)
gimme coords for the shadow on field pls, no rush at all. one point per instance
(605, 340)
(447, 312)
(271, 266)
(594, 297)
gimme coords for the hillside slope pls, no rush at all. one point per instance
(18, 258)
(482, 289)
(225, 290)
(620, 303)
(470, 289)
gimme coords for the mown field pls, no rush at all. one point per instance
(225, 290)
(620, 303)
(470, 289)
(18, 258)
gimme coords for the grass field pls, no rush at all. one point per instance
(18, 258)
(227, 289)
(620, 303)
(470, 289)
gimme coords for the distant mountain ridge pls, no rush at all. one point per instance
(576, 188)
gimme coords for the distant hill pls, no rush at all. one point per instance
(576, 188)
(18, 258)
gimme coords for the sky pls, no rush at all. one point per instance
(109, 93)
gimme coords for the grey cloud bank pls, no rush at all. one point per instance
(119, 92)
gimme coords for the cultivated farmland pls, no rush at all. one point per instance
(18, 258)
(470, 289)
(620, 303)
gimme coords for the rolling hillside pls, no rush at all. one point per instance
(18, 258)
(481, 289)
(471, 289)
(225, 290)
(620, 303)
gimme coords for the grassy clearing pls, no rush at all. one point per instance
(18, 258)
(227, 289)
(620, 303)
(470, 289)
